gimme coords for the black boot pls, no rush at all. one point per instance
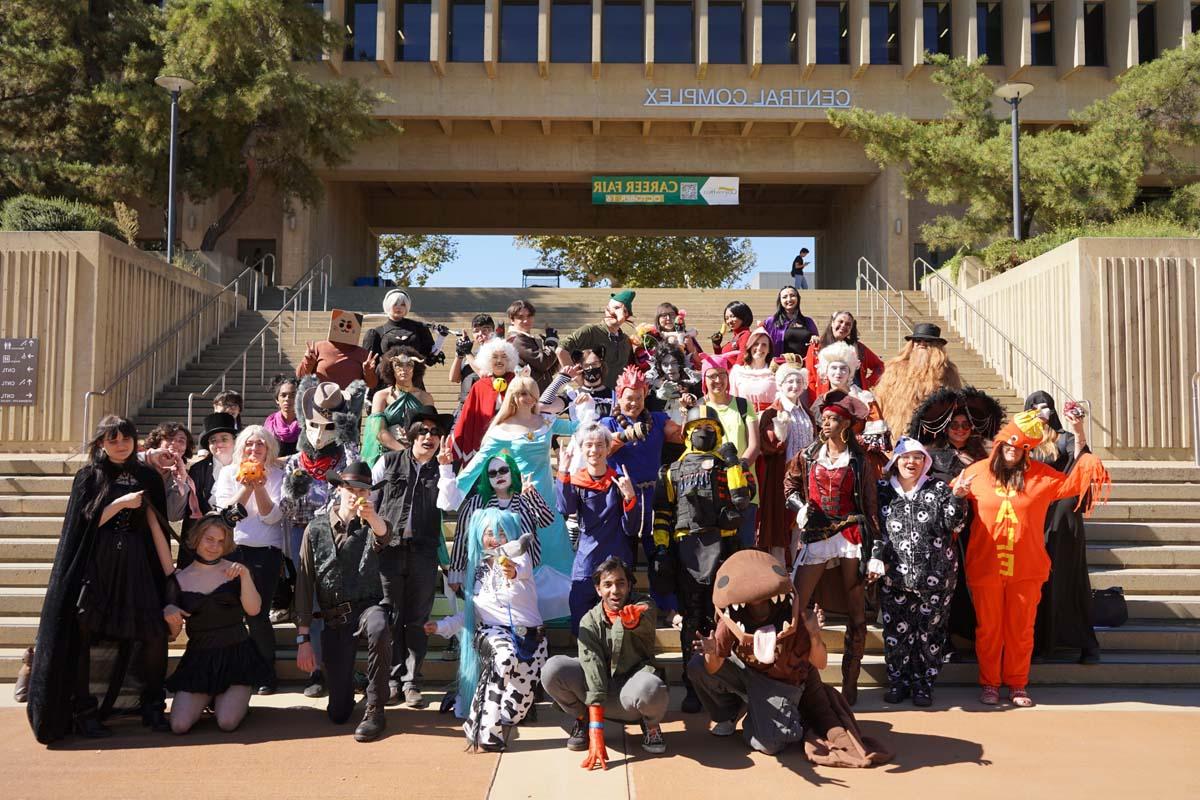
(855, 640)
(896, 693)
(154, 719)
(372, 726)
(923, 695)
(89, 726)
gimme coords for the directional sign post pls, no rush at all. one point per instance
(664, 190)
(18, 372)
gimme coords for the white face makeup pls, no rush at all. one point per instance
(838, 373)
(499, 476)
(792, 386)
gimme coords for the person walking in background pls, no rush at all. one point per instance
(798, 265)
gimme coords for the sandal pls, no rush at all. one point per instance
(990, 695)
(1021, 699)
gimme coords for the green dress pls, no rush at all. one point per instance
(395, 414)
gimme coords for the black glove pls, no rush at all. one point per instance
(728, 453)
(634, 433)
(552, 338)
(662, 571)
(437, 358)
(463, 346)
(716, 339)
(440, 329)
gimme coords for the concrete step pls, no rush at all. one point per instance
(33, 504)
(35, 484)
(1153, 471)
(1139, 581)
(1166, 556)
(1163, 607)
(1156, 492)
(31, 526)
(19, 464)
(1144, 510)
(1147, 532)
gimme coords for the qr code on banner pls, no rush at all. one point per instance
(687, 191)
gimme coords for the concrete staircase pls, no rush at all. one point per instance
(1146, 540)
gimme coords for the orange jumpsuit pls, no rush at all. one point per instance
(1007, 563)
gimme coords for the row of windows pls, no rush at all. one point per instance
(622, 31)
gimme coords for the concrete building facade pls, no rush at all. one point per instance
(506, 109)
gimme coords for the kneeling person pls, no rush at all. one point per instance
(615, 674)
(339, 558)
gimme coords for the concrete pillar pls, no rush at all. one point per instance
(863, 223)
(335, 12)
(1068, 36)
(597, 36)
(297, 244)
(964, 30)
(1018, 47)
(912, 36)
(806, 36)
(754, 32)
(385, 36)
(859, 12)
(1120, 33)
(491, 36)
(648, 37)
(439, 30)
(1173, 20)
(700, 36)
(543, 35)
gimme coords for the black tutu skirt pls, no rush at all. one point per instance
(212, 670)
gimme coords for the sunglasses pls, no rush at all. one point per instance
(960, 426)
(497, 472)
(425, 430)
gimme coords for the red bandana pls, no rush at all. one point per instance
(317, 467)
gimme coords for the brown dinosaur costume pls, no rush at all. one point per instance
(763, 643)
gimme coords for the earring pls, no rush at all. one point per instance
(845, 435)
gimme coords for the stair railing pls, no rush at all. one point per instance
(971, 323)
(1196, 417)
(192, 324)
(879, 292)
(317, 275)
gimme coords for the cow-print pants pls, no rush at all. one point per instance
(506, 694)
(915, 638)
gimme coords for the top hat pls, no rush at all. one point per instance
(217, 422)
(926, 332)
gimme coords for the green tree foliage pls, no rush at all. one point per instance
(412, 259)
(1068, 176)
(645, 261)
(80, 114)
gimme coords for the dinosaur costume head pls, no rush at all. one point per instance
(755, 601)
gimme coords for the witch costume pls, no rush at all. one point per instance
(106, 587)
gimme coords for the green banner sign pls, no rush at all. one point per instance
(664, 190)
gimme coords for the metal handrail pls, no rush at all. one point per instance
(878, 290)
(923, 269)
(302, 288)
(257, 269)
(1196, 417)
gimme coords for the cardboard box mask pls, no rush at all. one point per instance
(345, 327)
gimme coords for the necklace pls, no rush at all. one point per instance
(206, 562)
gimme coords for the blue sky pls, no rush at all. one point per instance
(505, 261)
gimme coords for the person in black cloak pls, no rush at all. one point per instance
(957, 427)
(106, 587)
(1064, 616)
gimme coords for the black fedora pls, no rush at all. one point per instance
(926, 332)
(430, 414)
(356, 474)
(217, 422)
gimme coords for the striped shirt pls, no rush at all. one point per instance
(531, 508)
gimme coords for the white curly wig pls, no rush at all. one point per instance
(837, 352)
(785, 369)
(483, 361)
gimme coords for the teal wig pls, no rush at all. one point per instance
(499, 521)
(483, 486)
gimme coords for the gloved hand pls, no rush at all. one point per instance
(462, 346)
(440, 329)
(631, 616)
(634, 433)
(552, 338)
(668, 391)
(437, 358)
(662, 571)
(597, 754)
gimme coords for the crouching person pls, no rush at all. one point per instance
(764, 660)
(339, 559)
(615, 675)
(503, 643)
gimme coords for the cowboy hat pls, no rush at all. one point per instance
(319, 403)
(430, 414)
(356, 474)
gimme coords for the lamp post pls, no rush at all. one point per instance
(176, 86)
(1013, 93)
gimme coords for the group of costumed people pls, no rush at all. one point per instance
(787, 474)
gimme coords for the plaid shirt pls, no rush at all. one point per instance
(301, 510)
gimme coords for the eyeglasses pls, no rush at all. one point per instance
(425, 430)
(497, 472)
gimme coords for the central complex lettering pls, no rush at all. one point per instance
(763, 98)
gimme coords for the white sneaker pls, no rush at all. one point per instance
(726, 728)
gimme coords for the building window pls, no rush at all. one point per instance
(673, 40)
(1041, 30)
(621, 32)
(937, 28)
(571, 31)
(833, 33)
(779, 33)
(885, 33)
(726, 32)
(518, 31)
(989, 26)
(1147, 35)
(466, 30)
(360, 29)
(412, 30)
(1196, 18)
(1093, 35)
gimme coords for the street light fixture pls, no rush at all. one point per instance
(176, 86)
(1013, 93)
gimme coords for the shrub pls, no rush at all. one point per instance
(29, 213)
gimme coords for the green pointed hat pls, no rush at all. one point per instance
(625, 298)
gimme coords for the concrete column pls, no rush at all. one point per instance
(700, 35)
(754, 36)
(439, 30)
(964, 30)
(859, 12)
(1018, 47)
(335, 12)
(543, 38)
(597, 36)
(863, 224)
(806, 36)
(1120, 33)
(912, 36)
(385, 36)
(648, 37)
(296, 244)
(1173, 20)
(1068, 36)
(491, 36)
